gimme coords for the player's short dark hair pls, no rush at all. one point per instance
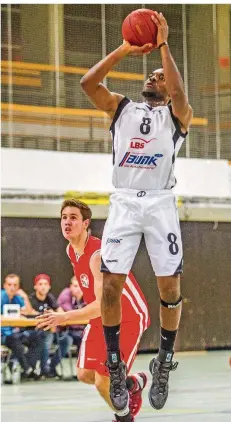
(83, 208)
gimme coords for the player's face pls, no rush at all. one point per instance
(11, 286)
(75, 289)
(72, 223)
(42, 287)
(156, 85)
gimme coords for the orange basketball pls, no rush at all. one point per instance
(138, 28)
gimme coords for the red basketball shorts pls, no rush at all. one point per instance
(92, 354)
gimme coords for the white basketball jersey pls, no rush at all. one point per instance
(146, 142)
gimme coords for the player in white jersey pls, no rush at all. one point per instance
(146, 139)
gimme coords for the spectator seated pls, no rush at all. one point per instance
(42, 300)
(15, 339)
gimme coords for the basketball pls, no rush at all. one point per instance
(138, 28)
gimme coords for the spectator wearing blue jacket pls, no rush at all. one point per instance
(13, 338)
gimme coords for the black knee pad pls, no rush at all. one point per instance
(171, 305)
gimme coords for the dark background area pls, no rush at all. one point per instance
(33, 245)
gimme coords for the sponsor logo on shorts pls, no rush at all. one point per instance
(111, 260)
(84, 280)
(141, 193)
(116, 241)
(136, 160)
(91, 359)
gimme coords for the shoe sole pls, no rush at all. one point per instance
(152, 404)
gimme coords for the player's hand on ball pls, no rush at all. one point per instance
(162, 26)
(50, 319)
(134, 50)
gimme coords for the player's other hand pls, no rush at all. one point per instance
(134, 50)
(162, 26)
(50, 319)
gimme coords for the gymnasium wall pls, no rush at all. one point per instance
(58, 172)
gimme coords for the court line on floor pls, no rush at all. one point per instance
(164, 412)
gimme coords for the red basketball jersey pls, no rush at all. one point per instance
(134, 305)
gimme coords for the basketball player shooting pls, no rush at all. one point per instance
(146, 139)
(84, 253)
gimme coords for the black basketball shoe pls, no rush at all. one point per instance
(160, 368)
(118, 389)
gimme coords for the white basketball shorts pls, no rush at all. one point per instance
(133, 213)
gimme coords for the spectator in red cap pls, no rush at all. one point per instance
(42, 300)
(42, 277)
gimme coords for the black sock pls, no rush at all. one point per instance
(167, 339)
(112, 339)
(130, 383)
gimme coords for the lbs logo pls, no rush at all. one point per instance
(139, 143)
(139, 160)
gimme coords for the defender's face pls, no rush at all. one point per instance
(72, 223)
(156, 83)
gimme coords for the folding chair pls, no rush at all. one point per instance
(59, 352)
(5, 360)
(72, 349)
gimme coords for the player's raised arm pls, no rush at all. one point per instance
(91, 82)
(174, 83)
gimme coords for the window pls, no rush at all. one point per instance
(15, 32)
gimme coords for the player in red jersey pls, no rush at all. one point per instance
(84, 253)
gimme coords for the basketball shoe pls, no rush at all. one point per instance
(160, 368)
(135, 394)
(118, 389)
